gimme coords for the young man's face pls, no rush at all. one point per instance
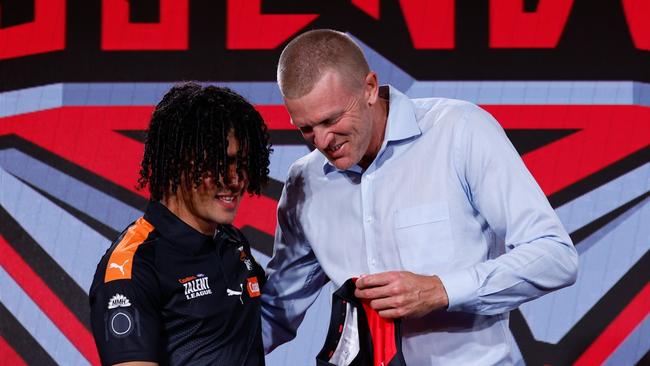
(215, 202)
(337, 120)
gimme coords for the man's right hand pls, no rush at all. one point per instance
(402, 294)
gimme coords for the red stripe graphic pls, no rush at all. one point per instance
(8, 356)
(48, 302)
(258, 212)
(87, 136)
(249, 28)
(276, 117)
(370, 7)
(170, 33)
(607, 134)
(616, 332)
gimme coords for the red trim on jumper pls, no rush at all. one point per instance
(382, 332)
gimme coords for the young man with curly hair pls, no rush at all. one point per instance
(179, 285)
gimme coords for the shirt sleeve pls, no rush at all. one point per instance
(539, 255)
(294, 277)
(125, 317)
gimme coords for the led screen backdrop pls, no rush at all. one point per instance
(567, 79)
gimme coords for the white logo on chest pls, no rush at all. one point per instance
(197, 287)
(230, 292)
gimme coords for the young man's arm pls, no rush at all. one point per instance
(124, 309)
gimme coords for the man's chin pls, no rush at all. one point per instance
(226, 218)
(226, 221)
(342, 166)
(342, 163)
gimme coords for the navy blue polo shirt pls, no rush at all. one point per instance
(165, 293)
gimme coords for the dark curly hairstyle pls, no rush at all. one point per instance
(188, 138)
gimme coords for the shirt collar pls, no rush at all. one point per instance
(400, 125)
(174, 230)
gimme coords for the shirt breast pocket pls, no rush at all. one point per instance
(423, 236)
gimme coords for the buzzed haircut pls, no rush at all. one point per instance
(307, 57)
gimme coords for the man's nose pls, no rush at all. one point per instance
(233, 175)
(322, 138)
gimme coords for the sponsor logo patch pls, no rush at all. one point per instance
(118, 301)
(120, 323)
(196, 286)
(187, 279)
(253, 287)
(244, 258)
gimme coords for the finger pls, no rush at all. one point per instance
(386, 303)
(392, 313)
(373, 292)
(374, 280)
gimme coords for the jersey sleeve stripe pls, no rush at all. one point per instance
(120, 263)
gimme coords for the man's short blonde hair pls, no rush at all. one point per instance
(307, 57)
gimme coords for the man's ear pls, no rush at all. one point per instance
(371, 87)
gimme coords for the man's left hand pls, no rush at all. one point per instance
(402, 294)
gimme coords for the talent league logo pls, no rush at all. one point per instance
(196, 286)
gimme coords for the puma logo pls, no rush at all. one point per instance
(120, 267)
(230, 292)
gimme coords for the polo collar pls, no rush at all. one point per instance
(176, 231)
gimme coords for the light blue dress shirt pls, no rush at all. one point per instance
(447, 195)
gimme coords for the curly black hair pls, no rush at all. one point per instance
(187, 139)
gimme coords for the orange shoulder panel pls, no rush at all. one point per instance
(121, 261)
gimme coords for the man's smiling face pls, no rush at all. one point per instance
(337, 120)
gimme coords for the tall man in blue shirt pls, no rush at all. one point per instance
(426, 198)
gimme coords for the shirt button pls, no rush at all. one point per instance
(368, 218)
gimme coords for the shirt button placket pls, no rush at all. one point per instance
(368, 218)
